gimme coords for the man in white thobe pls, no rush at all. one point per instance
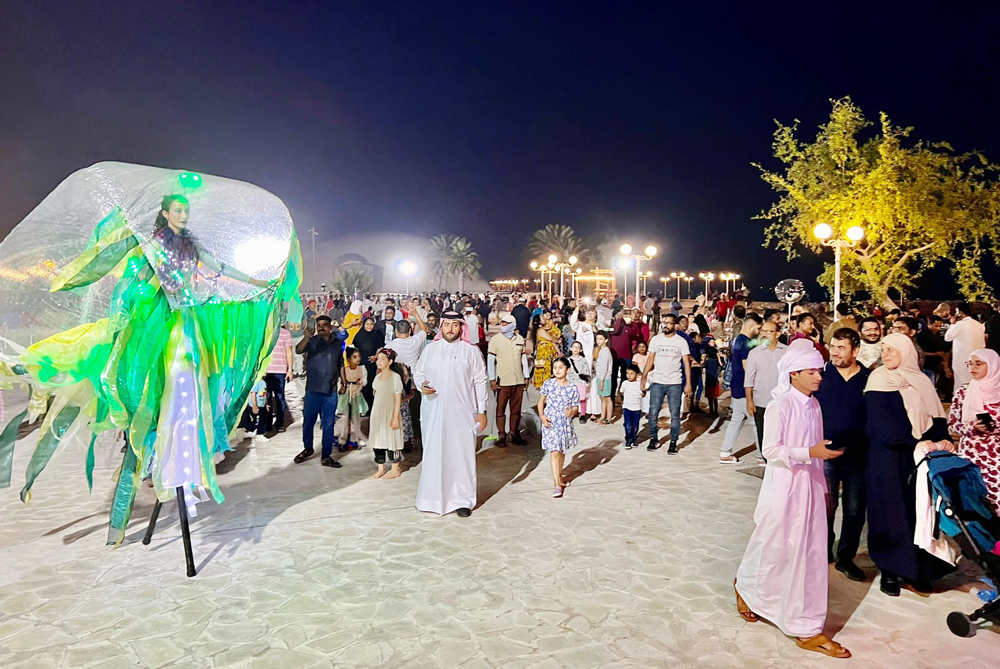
(966, 335)
(783, 575)
(451, 376)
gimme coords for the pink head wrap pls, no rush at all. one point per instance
(800, 354)
(985, 391)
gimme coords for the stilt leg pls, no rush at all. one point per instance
(152, 523)
(185, 531)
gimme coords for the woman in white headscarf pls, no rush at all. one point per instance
(975, 416)
(903, 411)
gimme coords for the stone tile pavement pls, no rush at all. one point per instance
(305, 566)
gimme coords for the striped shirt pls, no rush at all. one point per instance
(279, 357)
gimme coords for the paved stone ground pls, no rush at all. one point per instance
(307, 566)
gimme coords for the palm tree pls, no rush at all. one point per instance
(560, 240)
(463, 261)
(352, 282)
(440, 257)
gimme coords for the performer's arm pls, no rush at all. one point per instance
(210, 262)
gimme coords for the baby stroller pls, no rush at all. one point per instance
(963, 513)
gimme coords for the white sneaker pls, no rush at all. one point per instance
(729, 460)
(240, 434)
(261, 439)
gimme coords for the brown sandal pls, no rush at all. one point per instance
(742, 608)
(817, 642)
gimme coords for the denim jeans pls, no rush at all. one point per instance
(736, 422)
(674, 393)
(324, 406)
(631, 421)
(276, 389)
(849, 471)
(697, 383)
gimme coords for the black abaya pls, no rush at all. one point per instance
(891, 498)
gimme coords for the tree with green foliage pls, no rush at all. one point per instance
(352, 282)
(463, 261)
(560, 240)
(919, 203)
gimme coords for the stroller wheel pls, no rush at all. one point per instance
(961, 624)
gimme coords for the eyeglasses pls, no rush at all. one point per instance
(971, 364)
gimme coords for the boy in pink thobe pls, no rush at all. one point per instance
(783, 575)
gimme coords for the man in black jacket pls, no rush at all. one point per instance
(522, 316)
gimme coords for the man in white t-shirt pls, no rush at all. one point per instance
(472, 324)
(667, 366)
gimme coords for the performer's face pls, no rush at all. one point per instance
(177, 215)
(451, 330)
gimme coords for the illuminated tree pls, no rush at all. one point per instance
(560, 240)
(918, 203)
(440, 258)
(352, 282)
(463, 261)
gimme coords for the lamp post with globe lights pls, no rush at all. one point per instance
(679, 276)
(688, 280)
(664, 279)
(648, 254)
(824, 233)
(563, 268)
(708, 277)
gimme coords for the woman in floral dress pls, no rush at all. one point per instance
(980, 440)
(557, 406)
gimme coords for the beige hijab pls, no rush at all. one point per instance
(919, 397)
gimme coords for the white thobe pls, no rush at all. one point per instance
(966, 336)
(448, 424)
(585, 334)
(783, 575)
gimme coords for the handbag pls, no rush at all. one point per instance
(583, 377)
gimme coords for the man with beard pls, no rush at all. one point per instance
(841, 397)
(452, 378)
(870, 351)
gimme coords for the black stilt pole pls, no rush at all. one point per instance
(185, 531)
(152, 523)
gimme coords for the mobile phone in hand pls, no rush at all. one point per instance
(987, 420)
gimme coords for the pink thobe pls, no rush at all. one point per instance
(783, 575)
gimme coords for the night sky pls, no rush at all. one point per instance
(487, 120)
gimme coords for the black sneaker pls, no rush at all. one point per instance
(889, 584)
(518, 441)
(330, 462)
(673, 448)
(629, 447)
(303, 456)
(653, 445)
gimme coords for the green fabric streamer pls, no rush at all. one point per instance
(47, 446)
(7, 439)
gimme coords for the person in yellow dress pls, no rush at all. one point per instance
(546, 337)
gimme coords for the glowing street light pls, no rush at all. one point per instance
(708, 277)
(678, 276)
(664, 279)
(824, 233)
(650, 253)
(408, 269)
(688, 280)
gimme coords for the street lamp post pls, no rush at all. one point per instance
(824, 233)
(408, 268)
(707, 276)
(664, 279)
(688, 280)
(313, 232)
(678, 276)
(648, 254)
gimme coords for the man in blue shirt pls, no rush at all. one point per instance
(738, 352)
(841, 396)
(324, 358)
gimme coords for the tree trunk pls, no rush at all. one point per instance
(461, 283)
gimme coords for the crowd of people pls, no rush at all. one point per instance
(838, 409)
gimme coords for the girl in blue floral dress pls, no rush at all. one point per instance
(557, 406)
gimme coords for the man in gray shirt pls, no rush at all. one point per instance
(762, 374)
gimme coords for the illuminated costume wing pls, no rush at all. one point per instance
(115, 331)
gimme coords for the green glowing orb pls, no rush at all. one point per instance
(191, 180)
